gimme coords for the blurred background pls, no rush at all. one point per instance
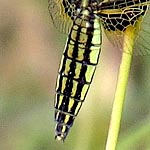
(30, 52)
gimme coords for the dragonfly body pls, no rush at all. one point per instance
(77, 68)
(83, 46)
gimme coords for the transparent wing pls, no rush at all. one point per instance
(63, 13)
(60, 18)
(116, 19)
(142, 42)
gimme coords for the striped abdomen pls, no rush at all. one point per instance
(76, 71)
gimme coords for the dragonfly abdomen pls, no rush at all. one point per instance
(76, 71)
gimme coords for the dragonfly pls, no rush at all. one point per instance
(84, 21)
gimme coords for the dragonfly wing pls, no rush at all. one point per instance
(62, 13)
(117, 19)
(60, 19)
(142, 42)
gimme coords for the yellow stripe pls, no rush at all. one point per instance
(74, 35)
(78, 107)
(83, 38)
(63, 128)
(57, 83)
(61, 63)
(71, 102)
(64, 81)
(60, 100)
(84, 90)
(66, 119)
(80, 54)
(94, 54)
(78, 70)
(67, 67)
(74, 88)
(57, 115)
(89, 73)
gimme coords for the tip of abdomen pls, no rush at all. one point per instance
(61, 131)
(59, 138)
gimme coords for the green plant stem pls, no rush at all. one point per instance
(120, 90)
